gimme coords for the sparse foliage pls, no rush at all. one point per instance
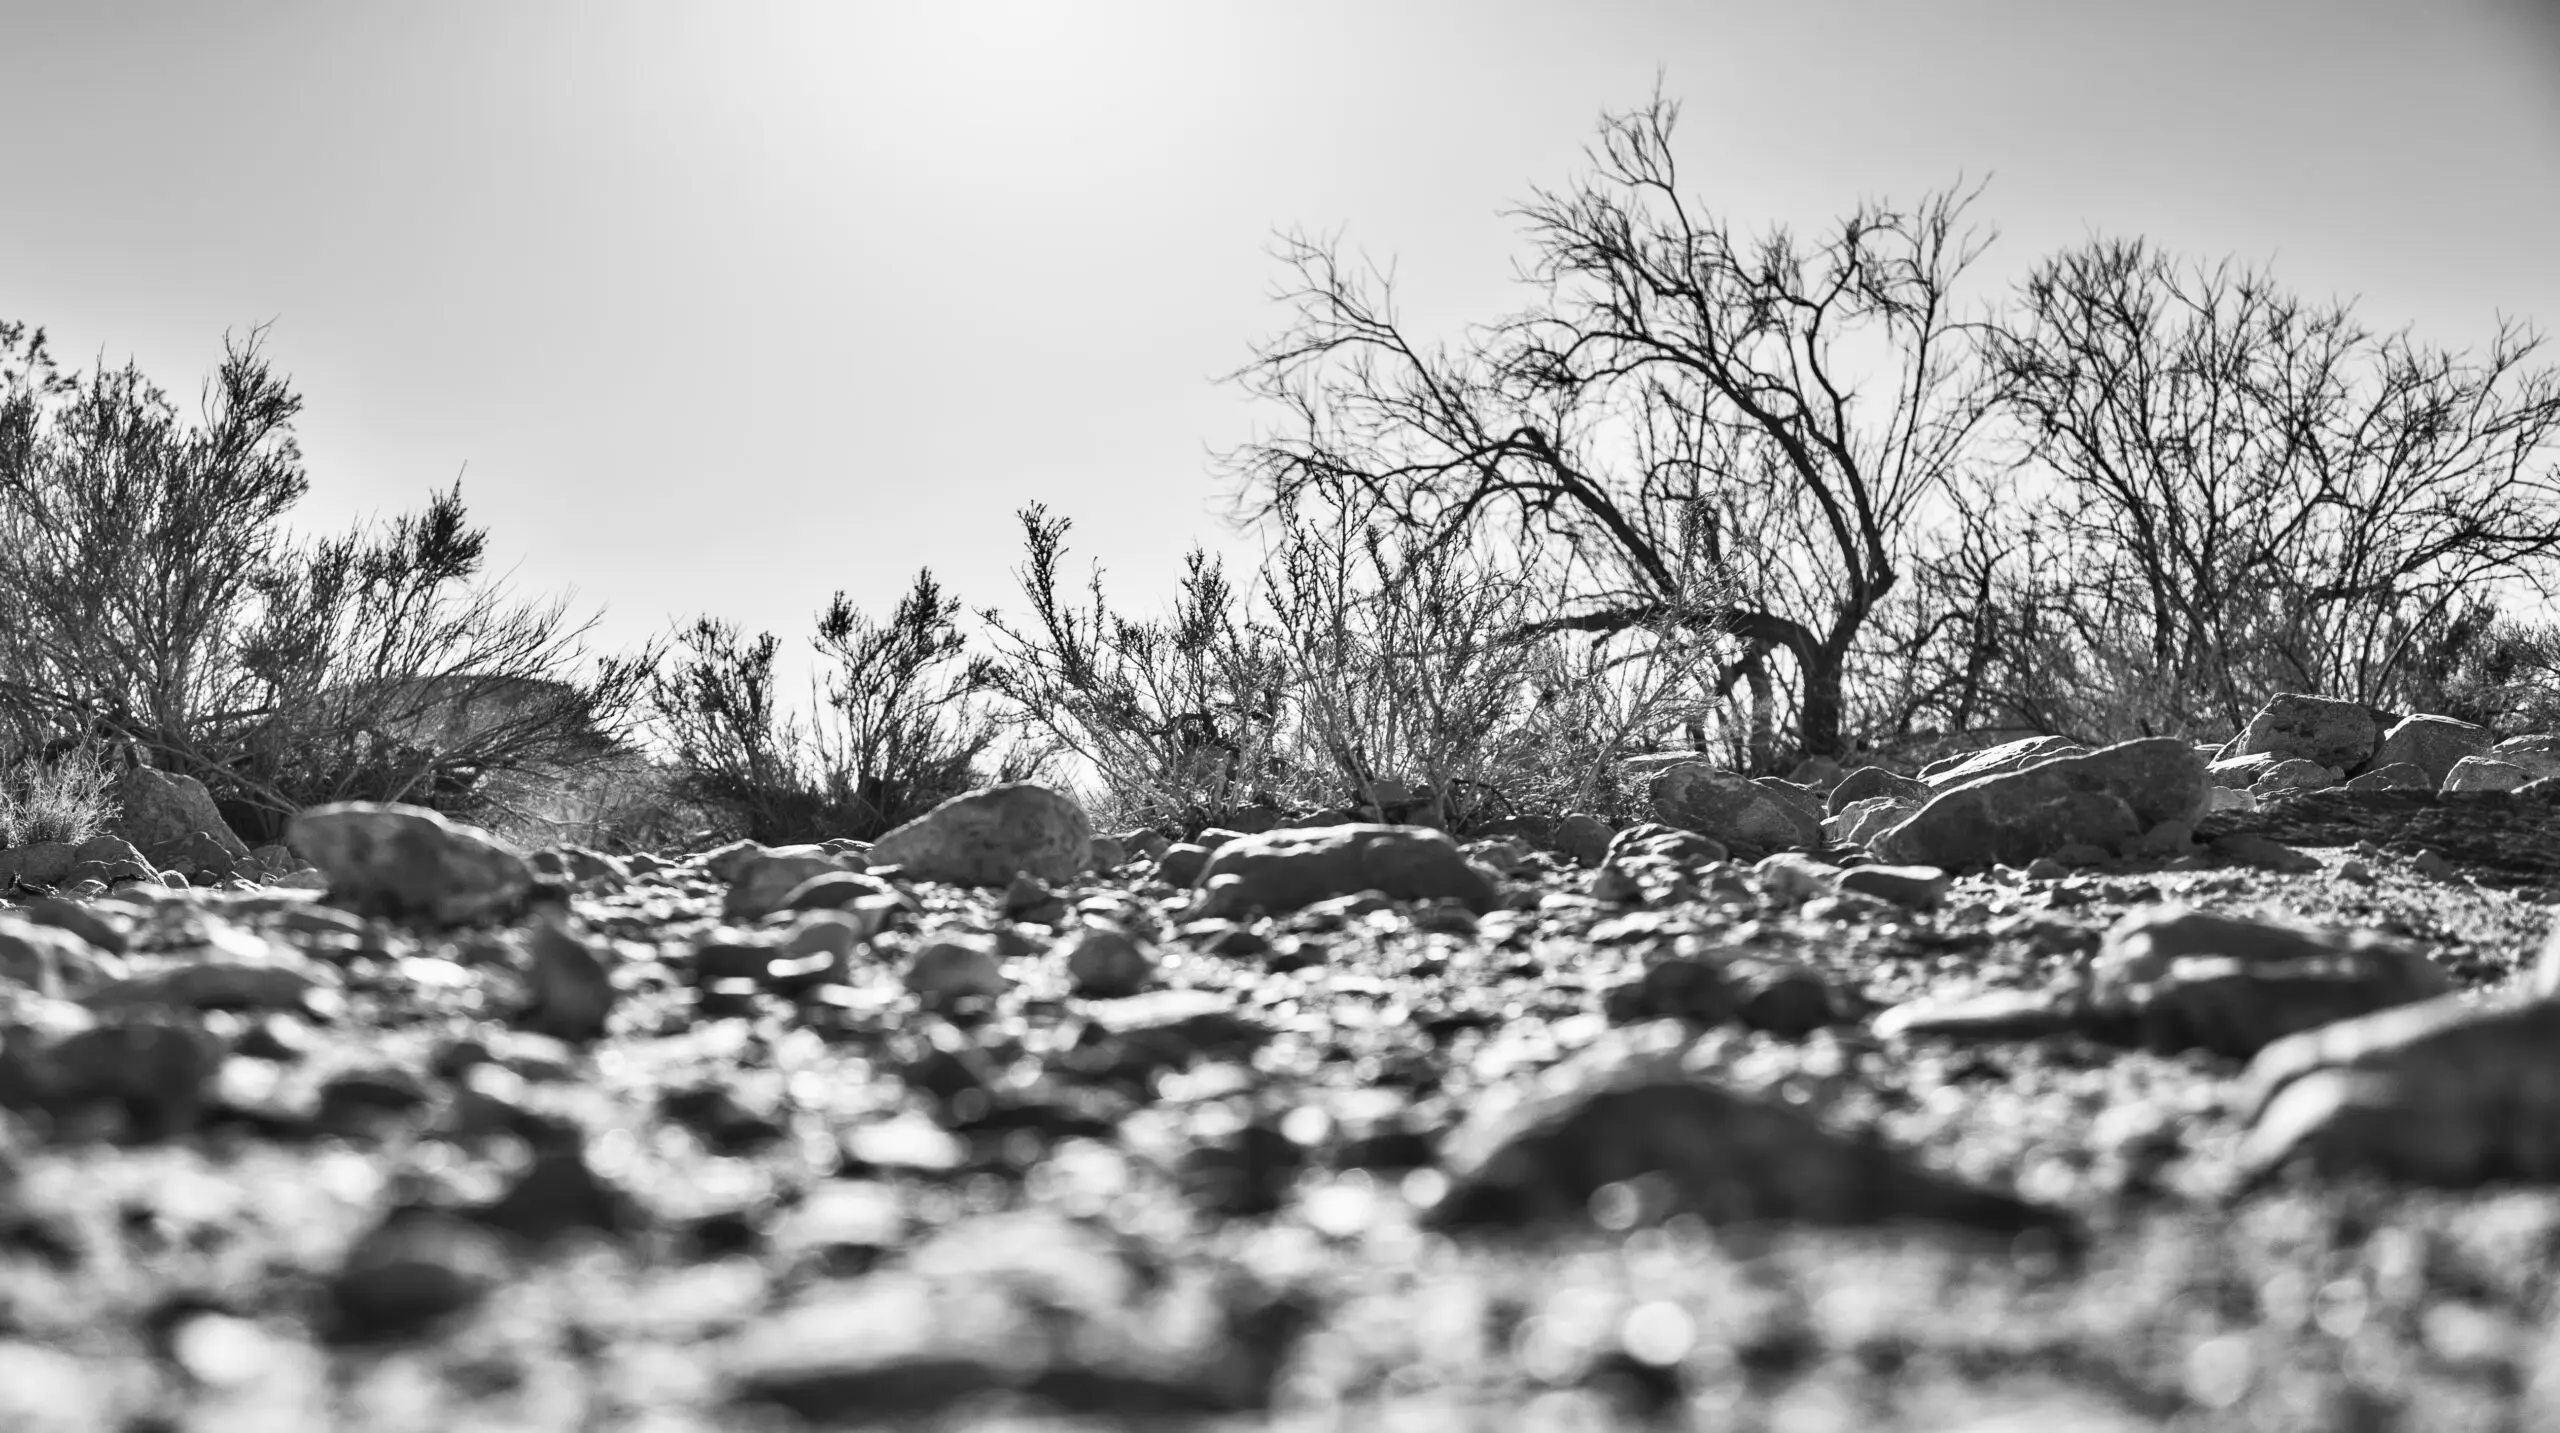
(2225, 491)
(1805, 397)
(67, 797)
(155, 603)
(897, 730)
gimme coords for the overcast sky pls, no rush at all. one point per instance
(721, 307)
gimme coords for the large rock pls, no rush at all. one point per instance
(157, 811)
(2016, 755)
(2537, 752)
(1860, 822)
(1280, 871)
(1627, 1114)
(2432, 744)
(1746, 816)
(2109, 797)
(2447, 1092)
(2484, 773)
(1869, 782)
(2325, 730)
(986, 838)
(406, 862)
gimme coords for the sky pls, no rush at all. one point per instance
(720, 308)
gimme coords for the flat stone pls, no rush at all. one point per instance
(2107, 798)
(1918, 888)
(2233, 984)
(2294, 773)
(1625, 1114)
(1734, 809)
(1281, 871)
(2249, 848)
(2396, 776)
(2447, 1092)
(406, 862)
(987, 837)
(2323, 730)
(1993, 760)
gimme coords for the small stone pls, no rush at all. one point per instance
(762, 881)
(406, 862)
(81, 920)
(572, 993)
(1105, 964)
(951, 967)
(410, 1273)
(1583, 839)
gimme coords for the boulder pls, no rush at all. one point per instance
(1735, 810)
(406, 862)
(2432, 744)
(2536, 752)
(987, 837)
(1281, 871)
(760, 884)
(2109, 797)
(1860, 822)
(156, 810)
(1868, 782)
(2482, 773)
(2324, 730)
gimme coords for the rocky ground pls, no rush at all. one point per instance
(995, 1124)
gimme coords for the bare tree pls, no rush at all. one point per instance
(2224, 491)
(1804, 397)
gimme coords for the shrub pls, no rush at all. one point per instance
(896, 730)
(69, 797)
(154, 600)
(1181, 723)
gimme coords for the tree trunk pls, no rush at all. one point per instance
(1823, 669)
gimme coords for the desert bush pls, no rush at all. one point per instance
(69, 796)
(897, 729)
(155, 601)
(2482, 666)
(1179, 722)
(2223, 491)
